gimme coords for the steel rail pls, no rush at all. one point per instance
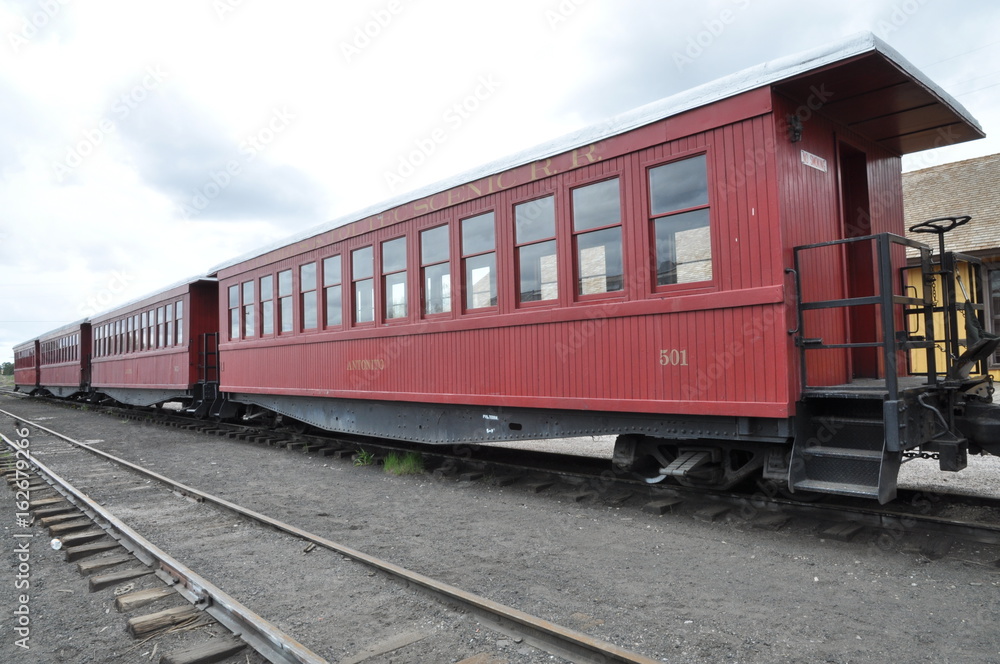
(555, 639)
(261, 635)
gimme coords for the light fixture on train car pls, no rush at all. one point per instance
(794, 128)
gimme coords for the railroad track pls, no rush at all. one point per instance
(924, 515)
(86, 459)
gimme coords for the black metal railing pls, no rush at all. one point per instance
(894, 339)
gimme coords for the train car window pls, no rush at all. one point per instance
(249, 310)
(307, 289)
(678, 194)
(287, 322)
(179, 308)
(234, 312)
(170, 324)
(479, 258)
(597, 219)
(362, 276)
(161, 332)
(394, 278)
(333, 291)
(535, 237)
(435, 268)
(267, 304)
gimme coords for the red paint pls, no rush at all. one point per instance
(169, 367)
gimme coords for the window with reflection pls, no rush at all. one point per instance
(597, 233)
(535, 238)
(678, 194)
(286, 319)
(436, 270)
(267, 304)
(179, 309)
(394, 278)
(362, 272)
(249, 318)
(307, 288)
(332, 291)
(479, 261)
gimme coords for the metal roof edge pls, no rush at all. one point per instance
(751, 78)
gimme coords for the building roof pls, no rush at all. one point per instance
(964, 187)
(863, 82)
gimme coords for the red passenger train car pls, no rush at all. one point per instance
(63, 360)
(26, 366)
(714, 278)
(636, 279)
(147, 352)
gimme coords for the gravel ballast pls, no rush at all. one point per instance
(670, 587)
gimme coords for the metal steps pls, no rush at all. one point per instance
(840, 448)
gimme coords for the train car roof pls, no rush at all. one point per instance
(152, 296)
(869, 85)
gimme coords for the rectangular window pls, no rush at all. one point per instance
(234, 312)
(249, 317)
(136, 333)
(394, 278)
(479, 260)
(161, 333)
(678, 203)
(267, 304)
(307, 286)
(170, 324)
(535, 237)
(362, 273)
(286, 319)
(179, 307)
(597, 232)
(332, 291)
(436, 270)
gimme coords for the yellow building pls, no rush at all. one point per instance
(970, 187)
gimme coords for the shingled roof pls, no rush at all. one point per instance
(964, 187)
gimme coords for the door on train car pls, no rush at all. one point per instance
(859, 258)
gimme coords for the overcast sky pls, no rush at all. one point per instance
(145, 142)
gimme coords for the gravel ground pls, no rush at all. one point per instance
(671, 587)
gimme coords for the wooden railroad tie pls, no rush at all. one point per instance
(114, 578)
(213, 651)
(126, 603)
(154, 622)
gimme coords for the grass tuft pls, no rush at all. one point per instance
(410, 463)
(363, 458)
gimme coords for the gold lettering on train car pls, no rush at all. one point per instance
(366, 365)
(673, 357)
(500, 185)
(588, 155)
(547, 169)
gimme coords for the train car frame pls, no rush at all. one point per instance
(149, 351)
(642, 279)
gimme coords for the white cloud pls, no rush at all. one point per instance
(222, 76)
